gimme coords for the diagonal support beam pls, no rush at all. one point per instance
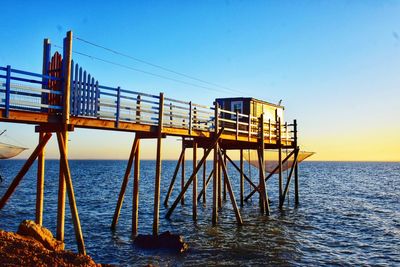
(205, 186)
(270, 175)
(24, 169)
(244, 175)
(229, 187)
(203, 159)
(289, 178)
(171, 185)
(71, 195)
(125, 183)
(263, 187)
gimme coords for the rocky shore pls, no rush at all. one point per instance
(33, 245)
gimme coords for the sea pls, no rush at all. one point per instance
(349, 215)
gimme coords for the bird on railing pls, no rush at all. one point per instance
(280, 102)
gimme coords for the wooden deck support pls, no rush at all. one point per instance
(121, 195)
(224, 180)
(261, 163)
(71, 195)
(157, 182)
(204, 190)
(241, 178)
(24, 169)
(194, 207)
(183, 171)
(204, 179)
(263, 188)
(171, 185)
(67, 57)
(229, 188)
(280, 181)
(244, 175)
(40, 183)
(214, 217)
(296, 169)
(135, 199)
(195, 171)
(296, 154)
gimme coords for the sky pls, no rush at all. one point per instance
(335, 64)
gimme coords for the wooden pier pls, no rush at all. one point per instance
(65, 96)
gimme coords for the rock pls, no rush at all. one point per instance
(165, 240)
(41, 234)
(18, 250)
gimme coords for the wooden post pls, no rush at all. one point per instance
(135, 199)
(190, 118)
(171, 185)
(40, 183)
(215, 187)
(289, 178)
(138, 109)
(241, 178)
(280, 159)
(229, 187)
(201, 194)
(224, 189)
(296, 170)
(157, 182)
(203, 159)
(45, 70)
(195, 181)
(204, 178)
(71, 195)
(269, 175)
(219, 172)
(263, 187)
(125, 182)
(183, 171)
(67, 57)
(261, 162)
(24, 169)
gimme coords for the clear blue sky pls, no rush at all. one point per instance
(335, 64)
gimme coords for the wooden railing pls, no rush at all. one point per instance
(90, 99)
(23, 90)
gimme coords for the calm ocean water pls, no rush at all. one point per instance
(349, 215)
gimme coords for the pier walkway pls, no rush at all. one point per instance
(65, 96)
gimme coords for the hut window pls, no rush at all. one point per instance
(236, 106)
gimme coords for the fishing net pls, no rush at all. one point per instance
(8, 151)
(271, 159)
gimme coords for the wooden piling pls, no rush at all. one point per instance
(135, 199)
(263, 187)
(215, 187)
(67, 57)
(125, 183)
(71, 194)
(199, 165)
(296, 170)
(204, 179)
(224, 180)
(183, 171)
(171, 185)
(40, 183)
(261, 163)
(195, 181)
(157, 183)
(241, 178)
(229, 188)
(279, 125)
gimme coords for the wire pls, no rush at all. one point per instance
(156, 65)
(143, 71)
